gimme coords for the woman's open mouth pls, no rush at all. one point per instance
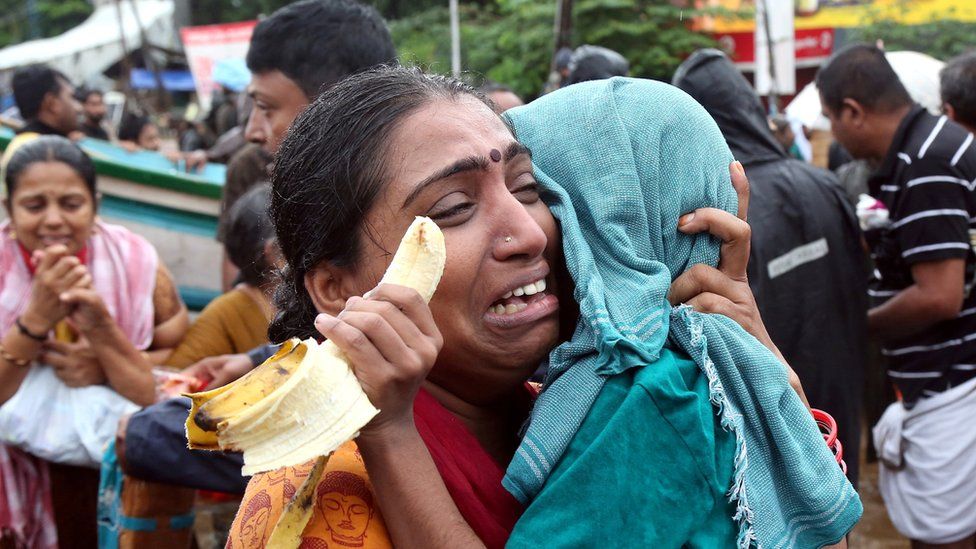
(522, 305)
(47, 241)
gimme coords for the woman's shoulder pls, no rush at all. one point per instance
(231, 300)
(119, 233)
(345, 512)
(236, 315)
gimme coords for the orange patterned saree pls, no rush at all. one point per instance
(346, 513)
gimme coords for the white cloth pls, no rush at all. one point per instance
(800, 138)
(62, 424)
(928, 465)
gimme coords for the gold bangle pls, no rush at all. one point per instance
(18, 362)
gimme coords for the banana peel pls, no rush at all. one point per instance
(201, 432)
(287, 532)
(305, 401)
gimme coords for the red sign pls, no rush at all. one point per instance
(208, 44)
(812, 45)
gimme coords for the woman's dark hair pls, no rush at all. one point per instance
(328, 172)
(131, 126)
(49, 148)
(248, 229)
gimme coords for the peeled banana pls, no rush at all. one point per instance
(305, 401)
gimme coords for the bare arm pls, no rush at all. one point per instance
(127, 370)
(392, 342)
(170, 317)
(936, 295)
(416, 506)
(20, 347)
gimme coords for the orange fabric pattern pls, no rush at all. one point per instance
(345, 511)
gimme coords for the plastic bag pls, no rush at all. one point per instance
(62, 424)
(872, 213)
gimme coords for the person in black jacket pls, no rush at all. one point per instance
(807, 268)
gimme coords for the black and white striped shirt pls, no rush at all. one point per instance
(928, 183)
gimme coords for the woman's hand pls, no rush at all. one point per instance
(75, 364)
(726, 290)
(218, 371)
(392, 342)
(55, 273)
(86, 310)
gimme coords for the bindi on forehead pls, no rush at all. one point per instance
(495, 155)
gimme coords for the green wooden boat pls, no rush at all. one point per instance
(175, 210)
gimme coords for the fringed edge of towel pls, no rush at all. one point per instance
(729, 421)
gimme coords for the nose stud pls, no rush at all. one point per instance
(508, 239)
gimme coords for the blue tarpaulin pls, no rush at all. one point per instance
(232, 73)
(142, 79)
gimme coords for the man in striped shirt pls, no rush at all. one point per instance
(922, 303)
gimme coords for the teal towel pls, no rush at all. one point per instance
(620, 160)
(109, 499)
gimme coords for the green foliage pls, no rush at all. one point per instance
(653, 36)
(511, 41)
(208, 12)
(58, 16)
(53, 17)
(507, 41)
(943, 38)
(205, 12)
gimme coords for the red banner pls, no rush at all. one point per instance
(812, 45)
(208, 44)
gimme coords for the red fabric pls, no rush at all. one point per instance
(82, 256)
(472, 477)
(26, 510)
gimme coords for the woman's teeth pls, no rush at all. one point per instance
(531, 288)
(517, 305)
(508, 309)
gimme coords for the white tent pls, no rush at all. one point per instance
(917, 71)
(96, 44)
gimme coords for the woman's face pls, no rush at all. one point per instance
(149, 137)
(456, 162)
(51, 205)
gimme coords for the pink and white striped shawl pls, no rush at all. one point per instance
(123, 267)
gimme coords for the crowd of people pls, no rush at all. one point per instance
(655, 322)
